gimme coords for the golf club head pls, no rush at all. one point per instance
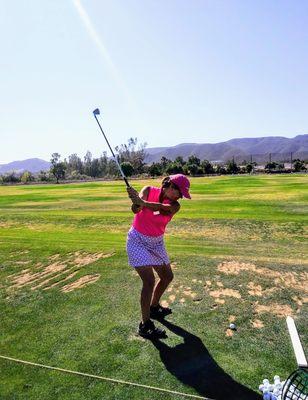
(96, 111)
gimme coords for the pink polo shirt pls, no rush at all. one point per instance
(149, 222)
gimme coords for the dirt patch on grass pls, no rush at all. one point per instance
(255, 290)
(180, 291)
(279, 310)
(229, 333)
(164, 303)
(258, 324)
(6, 224)
(294, 280)
(80, 283)
(225, 293)
(58, 271)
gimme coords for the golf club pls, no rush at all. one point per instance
(95, 113)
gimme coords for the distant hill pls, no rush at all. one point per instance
(32, 164)
(257, 148)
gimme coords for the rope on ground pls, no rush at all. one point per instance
(105, 379)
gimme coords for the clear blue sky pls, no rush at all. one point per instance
(165, 71)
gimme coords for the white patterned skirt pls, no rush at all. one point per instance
(143, 250)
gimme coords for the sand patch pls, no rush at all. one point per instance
(280, 310)
(82, 259)
(80, 283)
(196, 230)
(189, 293)
(62, 270)
(225, 293)
(174, 265)
(257, 324)
(164, 303)
(46, 282)
(172, 298)
(6, 224)
(254, 290)
(294, 280)
(229, 333)
(232, 318)
(26, 278)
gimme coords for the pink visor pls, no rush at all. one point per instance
(182, 182)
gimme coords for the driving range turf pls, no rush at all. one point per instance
(69, 299)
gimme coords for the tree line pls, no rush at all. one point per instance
(131, 157)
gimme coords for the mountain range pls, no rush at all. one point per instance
(256, 148)
(32, 165)
(277, 148)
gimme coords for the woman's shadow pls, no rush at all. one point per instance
(191, 363)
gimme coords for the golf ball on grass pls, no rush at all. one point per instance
(232, 327)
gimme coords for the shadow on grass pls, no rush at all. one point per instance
(191, 363)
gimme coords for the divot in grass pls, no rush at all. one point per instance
(257, 323)
(62, 270)
(279, 310)
(81, 282)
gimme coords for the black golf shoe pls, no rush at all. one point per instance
(149, 331)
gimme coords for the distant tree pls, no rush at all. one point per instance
(271, 166)
(87, 163)
(74, 163)
(174, 168)
(57, 167)
(249, 168)
(112, 169)
(127, 168)
(207, 167)
(220, 169)
(298, 165)
(193, 169)
(10, 177)
(103, 164)
(95, 168)
(155, 169)
(133, 154)
(179, 160)
(164, 162)
(193, 160)
(43, 176)
(26, 177)
(232, 167)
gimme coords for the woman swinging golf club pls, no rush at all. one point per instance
(153, 208)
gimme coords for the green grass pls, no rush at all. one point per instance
(257, 220)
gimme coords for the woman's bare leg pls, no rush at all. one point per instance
(165, 277)
(148, 283)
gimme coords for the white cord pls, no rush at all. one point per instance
(104, 378)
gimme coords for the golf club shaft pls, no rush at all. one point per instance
(115, 159)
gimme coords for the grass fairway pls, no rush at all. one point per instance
(68, 298)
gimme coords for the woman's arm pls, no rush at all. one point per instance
(143, 195)
(164, 209)
(140, 200)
